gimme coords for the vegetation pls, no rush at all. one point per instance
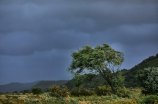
(81, 92)
(87, 87)
(131, 74)
(57, 91)
(148, 79)
(36, 90)
(103, 90)
(136, 98)
(47, 84)
(100, 60)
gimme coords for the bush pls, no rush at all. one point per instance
(148, 79)
(57, 91)
(64, 91)
(36, 90)
(74, 92)
(103, 90)
(151, 99)
(81, 92)
(121, 92)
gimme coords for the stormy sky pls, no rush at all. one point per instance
(37, 37)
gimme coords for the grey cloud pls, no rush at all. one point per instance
(37, 37)
(78, 15)
(21, 43)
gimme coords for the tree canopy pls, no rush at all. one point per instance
(101, 60)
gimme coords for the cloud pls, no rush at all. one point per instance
(77, 15)
(40, 35)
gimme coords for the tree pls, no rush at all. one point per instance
(81, 80)
(36, 90)
(104, 61)
(148, 79)
(15, 92)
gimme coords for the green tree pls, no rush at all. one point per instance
(79, 81)
(103, 61)
(36, 90)
(148, 79)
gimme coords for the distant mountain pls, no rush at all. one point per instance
(16, 86)
(28, 86)
(47, 84)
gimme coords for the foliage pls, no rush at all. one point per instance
(151, 99)
(80, 81)
(46, 99)
(57, 91)
(36, 90)
(103, 90)
(130, 75)
(118, 81)
(100, 60)
(148, 79)
(121, 92)
(64, 91)
(25, 91)
(47, 84)
(81, 92)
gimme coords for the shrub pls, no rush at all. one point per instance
(103, 90)
(148, 79)
(75, 92)
(36, 90)
(64, 91)
(57, 91)
(81, 92)
(122, 92)
(151, 99)
(85, 92)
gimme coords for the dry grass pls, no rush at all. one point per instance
(46, 99)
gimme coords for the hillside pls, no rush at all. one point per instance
(28, 86)
(47, 84)
(130, 75)
(16, 86)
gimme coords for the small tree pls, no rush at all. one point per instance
(148, 79)
(100, 60)
(36, 90)
(57, 91)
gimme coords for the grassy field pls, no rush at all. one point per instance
(135, 98)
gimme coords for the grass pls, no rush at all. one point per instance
(135, 98)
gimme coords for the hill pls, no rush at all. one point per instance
(47, 84)
(11, 87)
(130, 75)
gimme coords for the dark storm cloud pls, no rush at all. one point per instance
(37, 37)
(43, 24)
(21, 43)
(77, 15)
